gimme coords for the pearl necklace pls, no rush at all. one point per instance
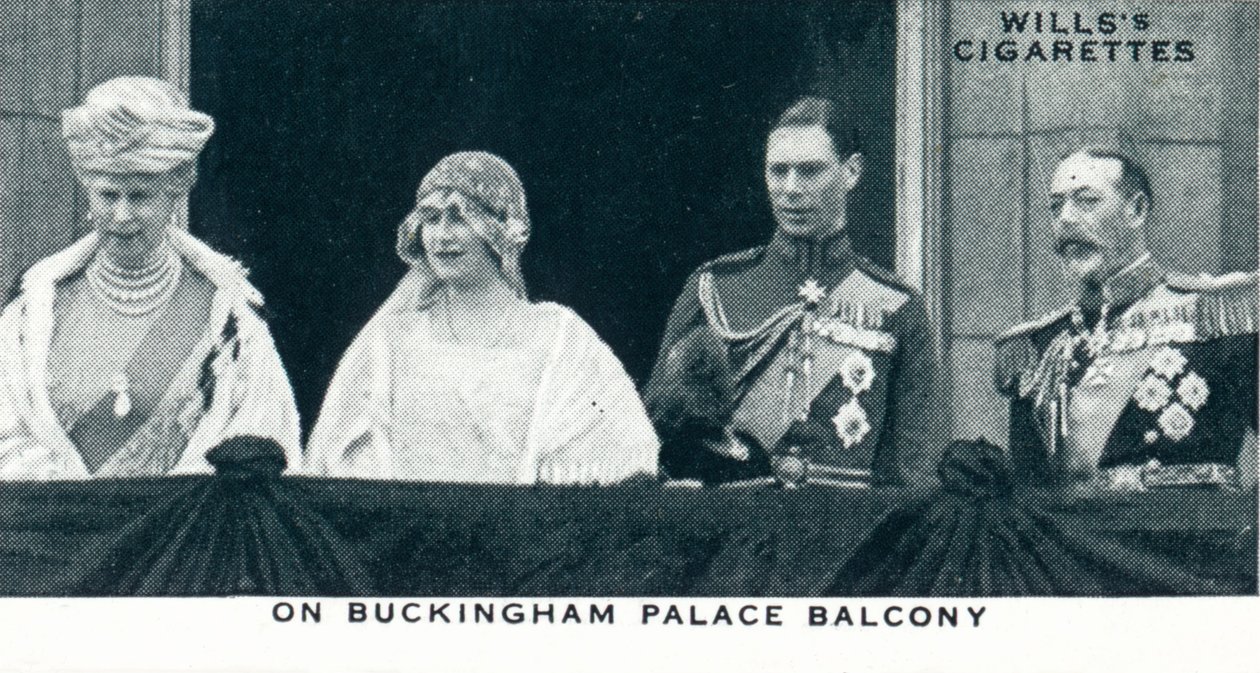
(135, 291)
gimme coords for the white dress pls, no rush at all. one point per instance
(550, 404)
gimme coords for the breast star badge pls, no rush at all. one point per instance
(812, 292)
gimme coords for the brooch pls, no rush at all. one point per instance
(812, 292)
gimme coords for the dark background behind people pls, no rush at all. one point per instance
(638, 130)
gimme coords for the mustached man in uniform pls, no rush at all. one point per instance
(1149, 377)
(798, 360)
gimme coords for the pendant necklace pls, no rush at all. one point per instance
(133, 292)
(122, 395)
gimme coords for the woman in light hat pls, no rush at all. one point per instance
(459, 377)
(138, 348)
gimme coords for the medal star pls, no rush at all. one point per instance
(857, 371)
(851, 423)
(1152, 394)
(811, 292)
(1168, 362)
(1193, 391)
(1176, 422)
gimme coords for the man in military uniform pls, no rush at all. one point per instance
(798, 360)
(1149, 378)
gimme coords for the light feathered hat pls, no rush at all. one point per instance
(134, 125)
(493, 185)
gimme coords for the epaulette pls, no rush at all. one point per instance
(1028, 328)
(885, 276)
(1206, 282)
(1016, 354)
(734, 259)
(1227, 305)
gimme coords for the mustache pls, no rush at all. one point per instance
(1076, 237)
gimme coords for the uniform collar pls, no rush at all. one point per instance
(808, 253)
(1125, 286)
(1133, 282)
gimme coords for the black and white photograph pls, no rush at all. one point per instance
(742, 315)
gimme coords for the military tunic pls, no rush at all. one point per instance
(801, 348)
(1158, 388)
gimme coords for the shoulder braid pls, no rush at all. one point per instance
(734, 259)
(1227, 305)
(1015, 353)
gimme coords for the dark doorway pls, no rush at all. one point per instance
(638, 129)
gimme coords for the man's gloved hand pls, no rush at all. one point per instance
(810, 436)
(734, 445)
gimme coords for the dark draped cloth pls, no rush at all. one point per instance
(982, 537)
(249, 531)
(243, 532)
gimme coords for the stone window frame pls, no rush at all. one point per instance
(919, 154)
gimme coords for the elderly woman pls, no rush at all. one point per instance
(137, 349)
(460, 378)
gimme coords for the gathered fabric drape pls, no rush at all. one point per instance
(248, 531)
